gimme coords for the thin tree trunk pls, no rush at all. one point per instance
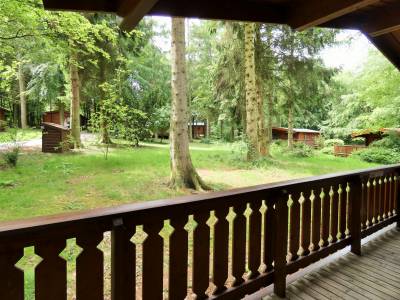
(105, 136)
(251, 95)
(22, 97)
(75, 101)
(270, 114)
(183, 173)
(262, 131)
(290, 124)
(61, 112)
(208, 131)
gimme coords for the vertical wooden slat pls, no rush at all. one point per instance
(269, 236)
(316, 221)
(325, 218)
(153, 261)
(281, 219)
(239, 244)
(385, 199)
(255, 238)
(89, 267)
(221, 250)
(305, 225)
(178, 264)
(123, 263)
(395, 194)
(11, 278)
(375, 201)
(390, 183)
(201, 255)
(397, 200)
(334, 214)
(381, 197)
(342, 212)
(363, 203)
(369, 203)
(294, 228)
(355, 196)
(51, 272)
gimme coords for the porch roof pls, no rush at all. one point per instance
(379, 20)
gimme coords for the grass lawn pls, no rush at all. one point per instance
(49, 183)
(22, 135)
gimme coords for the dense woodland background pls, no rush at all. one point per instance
(121, 82)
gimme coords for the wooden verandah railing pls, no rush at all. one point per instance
(259, 236)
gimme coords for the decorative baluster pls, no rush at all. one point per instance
(375, 211)
(390, 195)
(334, 214)
(395, 194)
(89, 267)
(178, 263)
(239, 244)
(363, 200)
(11, 277)
(255, 239)
(385, 198)
(153, 261)
(201, 255)
(316, 221)
(369, 204)
(51, 272)
(381, 197)
(123, 263)
(325, 219)
(305, 225)
(294, 229)
(269, 236)
(221, 250)
(355, 194)
(342, 194)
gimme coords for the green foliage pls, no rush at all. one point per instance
(11, 156)
(302, 150)
(333, 142)
(379, 155)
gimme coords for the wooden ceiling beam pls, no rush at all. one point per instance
(309, 13)
(133, 11)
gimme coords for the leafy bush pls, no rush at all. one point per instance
(3, 125)
(333, 142)
(302, 150)
(239, 149)
(379, 155)
(11, 157)
(328, 150)
(206, 141)
(392, 141)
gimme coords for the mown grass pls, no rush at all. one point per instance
(20, 135)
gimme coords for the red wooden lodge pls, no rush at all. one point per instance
(307, 136)
(292, 225)
(55, 118)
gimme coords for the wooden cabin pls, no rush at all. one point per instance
(199, 129)
(307, 136)
(55, 116)
(371, 135)
(55, 138)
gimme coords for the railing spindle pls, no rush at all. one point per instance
(201, 255)
(375, 211)
(89, 267)
(390, 183)
(325, 220)
(385, 198)
(316, 221)
(51, 272)
(239, 244)
(363, 203)
(342, 211)
(255, 239)
(294, 228)
(11, 278)
(381, 197)
(334, 214)
(221, 250)
(123, 263)
(153, 261)
(305, 225)
(269, 236)
(369, 203)
(355, 194)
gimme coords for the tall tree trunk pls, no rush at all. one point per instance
(208, 131)
(251, 94)
(75, 101)
(263, 146)
(183, 173)
(290, 124)
(22, 96)
(270, 114)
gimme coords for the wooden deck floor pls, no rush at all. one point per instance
(375, 275)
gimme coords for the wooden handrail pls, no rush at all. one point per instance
(327, 213)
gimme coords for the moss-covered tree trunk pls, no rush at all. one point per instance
(263, 146)
(75, 101)
(270, 114)
(252, 114)
(183, 173)
(22, 96)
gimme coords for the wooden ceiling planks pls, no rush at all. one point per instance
(378, 19)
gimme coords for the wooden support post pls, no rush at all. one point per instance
(281, 244)
(355, 198)
(397, 188)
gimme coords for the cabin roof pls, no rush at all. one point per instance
(56, 126)
(369, 131)
(296, 130)
(379, 20)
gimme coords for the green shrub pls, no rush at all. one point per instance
(379, 155)
(206, 141)
(302, 150)
(333, 142)
(328, 150)
(3, 125)
(11, 157)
